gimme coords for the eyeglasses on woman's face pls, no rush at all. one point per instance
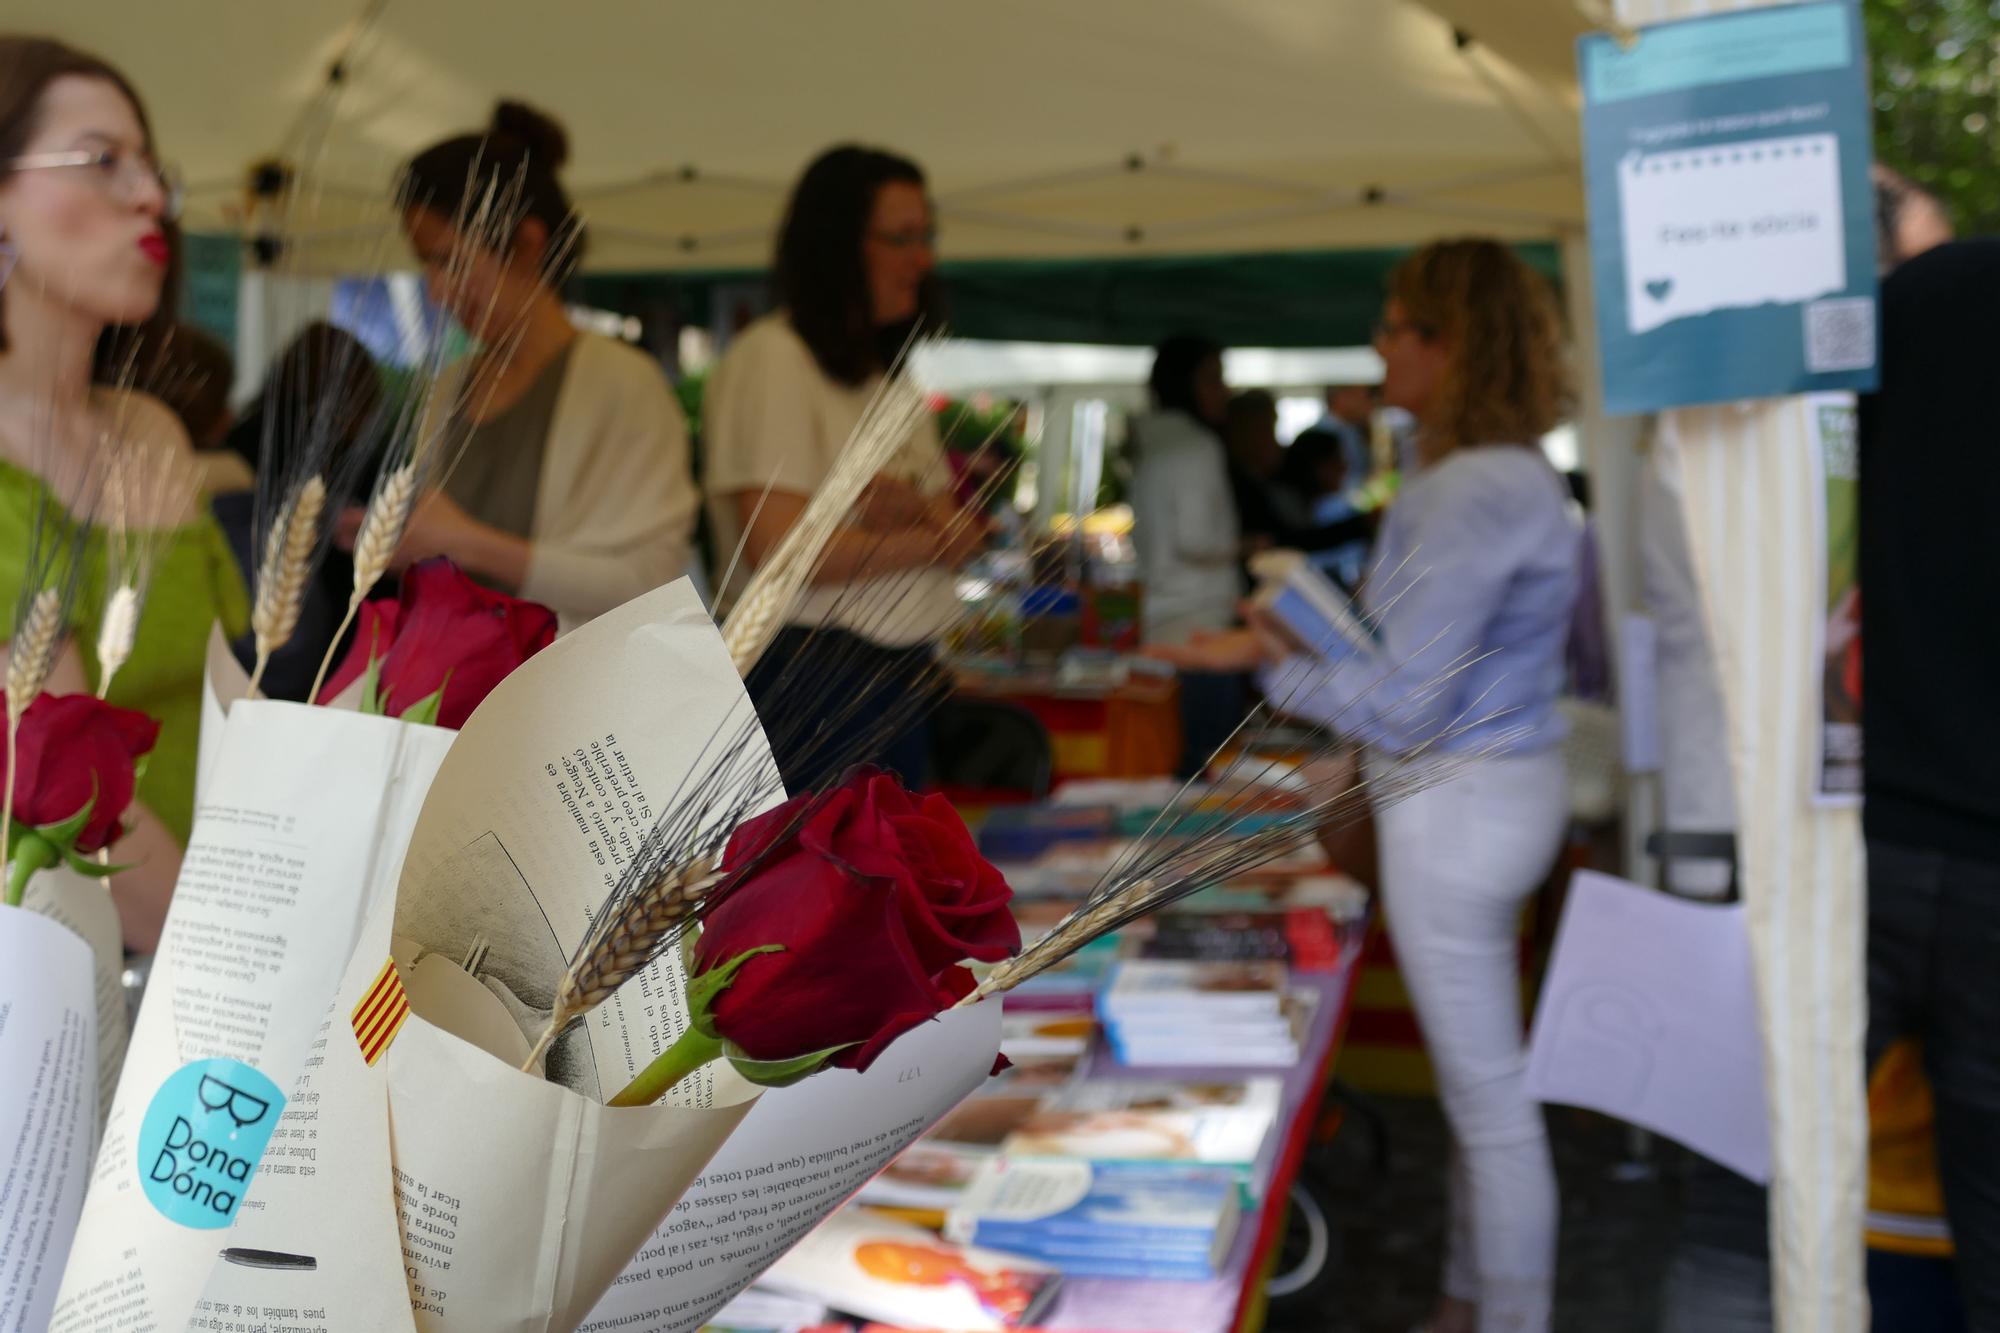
(124, 177)
(906, 238)
(1388, 329)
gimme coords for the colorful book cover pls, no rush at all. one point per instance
(898, 1274)
(1138, 1120)
(1108, 1219)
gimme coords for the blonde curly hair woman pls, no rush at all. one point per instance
(1475, 575)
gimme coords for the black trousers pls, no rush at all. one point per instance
(1934, 974)
(828, 699)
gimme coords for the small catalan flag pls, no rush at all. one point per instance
(381, 1012)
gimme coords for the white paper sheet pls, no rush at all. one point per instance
(1649, 1014)
(1738, 224)
(84, 905)
(48, 1108)
(304, 816)
(801, 1152)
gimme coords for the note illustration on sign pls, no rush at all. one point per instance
(1744, 224)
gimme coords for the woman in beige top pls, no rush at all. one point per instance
(572, 485)
(853, 278)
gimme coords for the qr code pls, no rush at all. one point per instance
(1840, 334)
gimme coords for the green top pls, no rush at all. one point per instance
(195, 583)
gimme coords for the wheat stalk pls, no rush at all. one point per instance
(374, 547)
(629, 940)
(884, 427)
(281, 580)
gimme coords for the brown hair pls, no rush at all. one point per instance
(28, 65)
(519, 148)
(1506, 383)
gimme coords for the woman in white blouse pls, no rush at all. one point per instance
(572, 484)
(1184, 520)
(853, 278)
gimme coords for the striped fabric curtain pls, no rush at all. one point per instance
(1748, 487)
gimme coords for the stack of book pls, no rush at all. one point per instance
(1103, 1219)
(1218, 1125)
(1165, 1013)
(930, 1175)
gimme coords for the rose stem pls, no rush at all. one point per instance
(36, 854)
(679, 1060)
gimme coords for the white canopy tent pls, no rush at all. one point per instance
(1049, 128)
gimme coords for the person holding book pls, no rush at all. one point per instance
(1469, 599)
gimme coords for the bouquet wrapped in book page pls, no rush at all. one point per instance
(303, 818)
(71, 778)
(441, 1186)
(48, 1105)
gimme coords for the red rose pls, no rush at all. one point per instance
(445, 630)
(70, 748)
(947, 886)
(873, 900)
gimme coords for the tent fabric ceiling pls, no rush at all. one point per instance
(1049, 128)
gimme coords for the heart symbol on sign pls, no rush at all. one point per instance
(1659, 287)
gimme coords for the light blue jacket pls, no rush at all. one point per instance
(1470, 595)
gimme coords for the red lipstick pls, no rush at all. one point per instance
(153, 245)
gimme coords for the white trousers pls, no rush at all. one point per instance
(1458, 861)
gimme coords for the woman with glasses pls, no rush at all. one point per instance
(572, 485)
(853, 279)
(87, 253)
(1471, 591)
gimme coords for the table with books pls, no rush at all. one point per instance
(1106, 716)
(1132, 1170)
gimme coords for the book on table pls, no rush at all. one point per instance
(1138, 989)
(928, 1177)
(1277, 1042)
(1103, 1219)
(1220, 1124)
(881, 1269)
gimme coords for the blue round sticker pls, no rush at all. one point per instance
(202, 1137)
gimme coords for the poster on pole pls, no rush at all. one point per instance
(1831, 428)
(1732, 240)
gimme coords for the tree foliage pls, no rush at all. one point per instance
(1936, 76)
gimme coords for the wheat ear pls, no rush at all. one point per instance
(34, 651)
(32, 654)
(374, 546)
(116, 635)
(625, 944)
(281, 582)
